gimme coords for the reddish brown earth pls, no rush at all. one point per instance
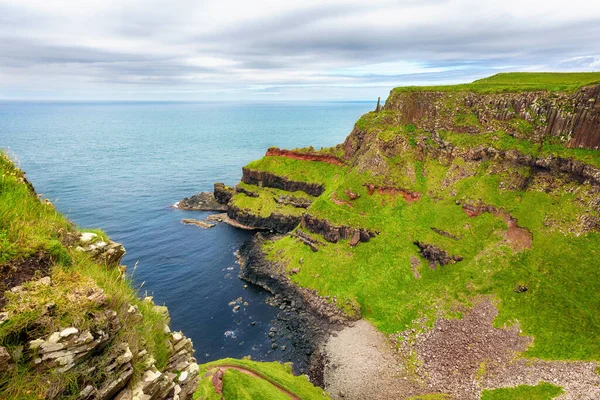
(329, 159)
(339, 202)
(516, 236)
(217, 379)
(408, 195)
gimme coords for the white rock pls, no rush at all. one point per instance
(166, 329)
(177, 336)
(87, 236)
(68, 332)
(46, 281)
(193, 369)
(183, 376)
(34, 344)
(125, 357)
(54, 338)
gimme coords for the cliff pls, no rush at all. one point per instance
(446, 197)
(71, 325)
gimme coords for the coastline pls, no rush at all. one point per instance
(305, 316)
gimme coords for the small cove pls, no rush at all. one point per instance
(119, 167)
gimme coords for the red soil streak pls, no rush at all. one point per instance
(408, 195)
(340, 202)
(517, 237)
(274, 151)
(217, 380)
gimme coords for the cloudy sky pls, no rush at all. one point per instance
(281, 50)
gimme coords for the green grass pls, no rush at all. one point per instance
(311, 172)
(518, 82)
(29, 226)
(240, 386)
(542, 391)
(559, 309)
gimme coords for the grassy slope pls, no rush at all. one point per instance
(28, 226)
(518, 82)
(239, 386)
(542, 391)
(561, 307)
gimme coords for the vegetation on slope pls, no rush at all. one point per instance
(556, 268)
(518, 82)
(35, 237)
(543, 391)
(237, 385)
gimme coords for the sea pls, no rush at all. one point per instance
(120, 166)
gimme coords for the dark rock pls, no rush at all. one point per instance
(275, 222)
(222, 193)
(262, 178)
(436, 255)
(520, 289)
(333, 233)
(204, 201)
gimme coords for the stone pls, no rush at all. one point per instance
(4, 359)
(87, 237)
(198, 223)
(183, 376)
(68, 332)
(176, 336)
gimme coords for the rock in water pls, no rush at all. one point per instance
(204, 201)
(201, 224)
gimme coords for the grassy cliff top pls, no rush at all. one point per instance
(517, 82)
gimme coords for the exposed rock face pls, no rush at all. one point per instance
(204, 201)
(290, 200)
(435, 255)
(307, 240)
(572, 118)
(326, 158)
(262, 178)
(108, 252)
(310, 316)
(333, 233)
(223, 193)
(275, 222)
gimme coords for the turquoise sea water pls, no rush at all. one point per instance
(120, 166)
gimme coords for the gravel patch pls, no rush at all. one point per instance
(457, 357)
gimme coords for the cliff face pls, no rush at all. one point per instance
(446, 196)
(571, 118)
(71, 325)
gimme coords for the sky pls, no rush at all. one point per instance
(281, 50)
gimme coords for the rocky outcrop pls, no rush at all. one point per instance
(204, 201)
(409, 195)
(263, 178)
(306, 156)
(573, 118)
(223, 193)
(198, 223)
(298, 202)
(307, 240)
(275, 222)
(435, 255)
(108, 252)
(333, 233)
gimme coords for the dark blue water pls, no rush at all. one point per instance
(119, 166)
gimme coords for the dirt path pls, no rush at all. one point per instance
(456, 357)
(217, 379)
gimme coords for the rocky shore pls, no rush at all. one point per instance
(305, 319)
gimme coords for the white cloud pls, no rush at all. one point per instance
(190, 49)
